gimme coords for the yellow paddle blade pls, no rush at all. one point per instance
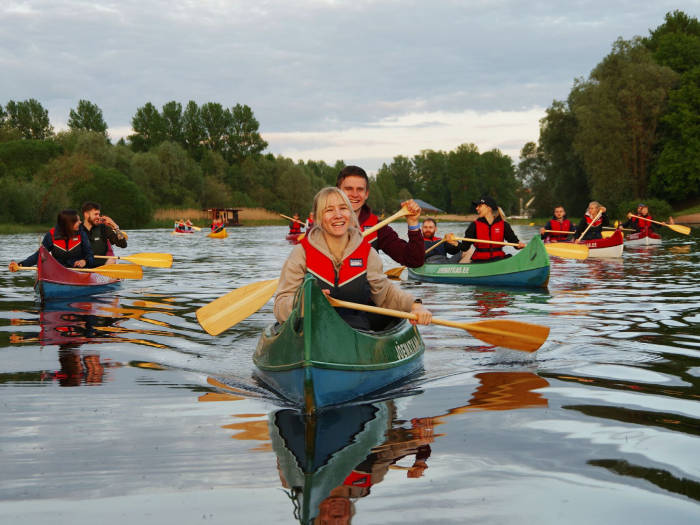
(515, 335)
(154, 260)
(230, 309)
(567, 250)
(685, 230)
(395, 273)
(116, 271)
(607, 234)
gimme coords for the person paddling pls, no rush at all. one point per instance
(560, 223)
(295, 225)
(66, 241)
(644, 223)
(489, 226)
(438, 254)
(595, 222)
(355, 184)
(344, 264)
(101, 230)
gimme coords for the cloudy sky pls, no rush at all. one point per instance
(357, 80)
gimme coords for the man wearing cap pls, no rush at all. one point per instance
(437, 255)
(640, 225)
(489, 226)
(355, 184)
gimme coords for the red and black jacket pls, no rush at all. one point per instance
(498, 230)
(294, 228)
(441, 251)
(65, 251)
(595, 231)
(555, 224)
(640, 225)
(347, 283)
(411, 253)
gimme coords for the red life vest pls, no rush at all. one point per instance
(369, 222)
(350, 282)
(563, 226)
(596, 223)
(66, 250)
(642, 225)
(489, 232)
(295, 227)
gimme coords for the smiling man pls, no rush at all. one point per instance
(355, 184)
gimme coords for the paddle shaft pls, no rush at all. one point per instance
(486, 242)
(618, 228)
(401, 213)
(103, 271)
(589, 226)
(679, 228)
(158, 260)
(293, 219)
(560, 232)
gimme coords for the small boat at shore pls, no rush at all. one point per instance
(316, 360)
(55, 281)
(221, 234)
(527, 268)
(181, 233)
(293, 238)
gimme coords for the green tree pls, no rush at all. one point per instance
(432, 170)
(464, 170)
(87, 116)
(29, 118)
(242, 137)
(215, 121)
(618, 110)
(193, 130)
(173, 122)
(294, 190)
(149, 128)
(118, 196)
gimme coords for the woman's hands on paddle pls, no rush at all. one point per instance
(79, 264)
(13, 266)
(414, 212)
(425, 316)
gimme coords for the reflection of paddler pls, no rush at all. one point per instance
(75, 368)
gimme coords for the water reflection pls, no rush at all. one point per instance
(326, 462)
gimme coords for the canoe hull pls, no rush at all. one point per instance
(318, 360)
(293, 238)
(54, 281)
(642, 239)
(528, 268)
(218, 235)
(606, 248)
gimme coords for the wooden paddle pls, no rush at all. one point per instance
(618, 228)
(560, 232)
(155, 260)
(565, 250)
(230, 309)
(395, 273)
(589, 226)
(515, 335)
(293, 219)
(685, 230)
(116, 271)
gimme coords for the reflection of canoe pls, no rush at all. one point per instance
(608, 247)
(55, 281)
(642, 239)
(293, 238)
(316, 454)
(529, 268)
(221, 234)
(317, 359)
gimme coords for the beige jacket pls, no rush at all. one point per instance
(383, 292)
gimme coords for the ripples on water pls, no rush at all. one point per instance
(600, 424)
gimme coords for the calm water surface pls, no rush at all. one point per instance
(120, 409)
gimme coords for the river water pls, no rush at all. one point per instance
(120, 409)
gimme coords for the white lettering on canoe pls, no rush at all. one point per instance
(454, 269)
(404, 350)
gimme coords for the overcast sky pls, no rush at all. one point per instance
(362, 81)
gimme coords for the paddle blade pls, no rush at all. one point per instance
(395, 273)
(567, 250)
(154, 260)
(116, 271)
(230, 309)
(515, 335)
(685, 230)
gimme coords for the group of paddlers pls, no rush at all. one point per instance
(75, 243)
(297, 226)
(594, 222)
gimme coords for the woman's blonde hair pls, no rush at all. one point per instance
(321, 200)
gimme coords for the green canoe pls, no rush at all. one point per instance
(315, 359)
(527, 268)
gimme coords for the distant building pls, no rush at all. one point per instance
(428, 208)
(228, 215)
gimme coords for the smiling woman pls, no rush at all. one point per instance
(345, 266)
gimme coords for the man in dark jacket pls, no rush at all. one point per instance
(101, 231)
(437, 255)
(355, 184)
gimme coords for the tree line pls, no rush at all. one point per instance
(629, 131)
